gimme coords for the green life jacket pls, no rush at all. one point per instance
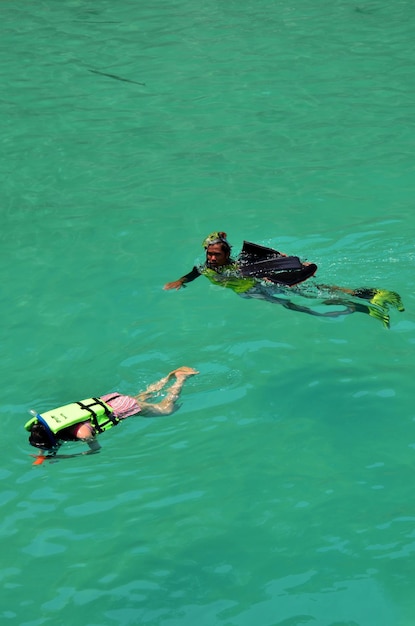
(91, 410)
(229, 277)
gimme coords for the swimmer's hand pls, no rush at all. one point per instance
(94, 448)
(72, 456)
(176, 284)
(55, 457)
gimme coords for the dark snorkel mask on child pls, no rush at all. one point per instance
(44, 438)
(215, 237)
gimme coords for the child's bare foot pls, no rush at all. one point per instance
(184, 372)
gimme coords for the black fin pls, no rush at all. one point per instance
(262, 262)
(255, 252)
(293, 277)
(265, 266)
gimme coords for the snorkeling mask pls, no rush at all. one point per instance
(41, 437)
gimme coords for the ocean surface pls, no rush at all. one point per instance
(281, 491)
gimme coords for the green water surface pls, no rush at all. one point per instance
(280, 493)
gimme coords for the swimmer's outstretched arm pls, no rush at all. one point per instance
(181, 282)
(72, 456)
(175, 284)
(94, 448)
(51, 457)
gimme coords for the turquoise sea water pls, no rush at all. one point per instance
(280, 493)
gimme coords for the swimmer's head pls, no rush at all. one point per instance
(217, 237)
(217, 249)
(40, 437)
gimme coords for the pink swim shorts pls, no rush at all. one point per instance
(122, 406)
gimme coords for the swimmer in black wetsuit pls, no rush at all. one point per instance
(264, 273)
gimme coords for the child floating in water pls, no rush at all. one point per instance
(83, 421)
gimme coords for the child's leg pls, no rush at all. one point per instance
(157, 386)
(167, 405)
(151, 389)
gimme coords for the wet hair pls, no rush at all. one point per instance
(225, 247)
(40, 438)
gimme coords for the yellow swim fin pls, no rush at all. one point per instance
(383, 297)
(380, 314)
